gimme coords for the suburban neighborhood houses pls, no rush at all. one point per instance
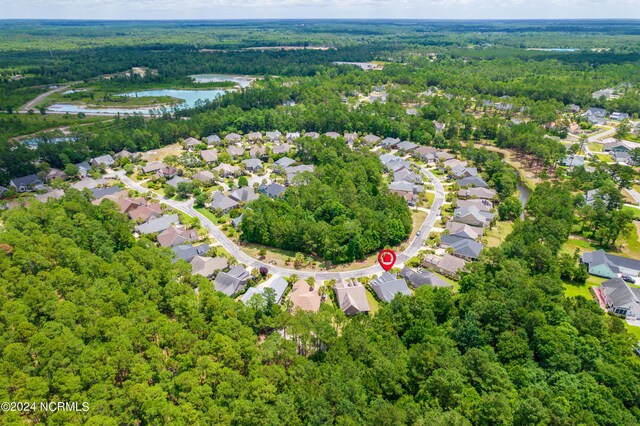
(221, 176)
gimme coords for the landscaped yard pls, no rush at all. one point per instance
(374, 305)
(635, 331)
(572, 289)
(498, 233)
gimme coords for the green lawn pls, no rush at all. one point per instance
(636, 212)
(635, 331)
(498, 233)
(207, 213)
(449, 280)
(595, 147)
(374, 305)
(572, 289)
(430, 196)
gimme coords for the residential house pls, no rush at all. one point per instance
(389, 158)
(237, 221)
(166, 172)
(145, 213)
(350, 137)
(284, 162)
(422, 278)
(153, 167)
(235, 151)
(387, 286)
(312, 135)
(620, 146)
(158, 225)
(254, 136)
(371, 139)
(293, 171)
(448, 265)
(472, 216)
(453, 163)
(443, 156)
(620, 299)
(460, 172)
(272, 190)
(411, 111)
(176, 180)
(462, 230)
(438, 126)
(573, 108)
(572, 161)
(54, 174)
(332, 135)
(244, 194)
(103, 160)
(26, 183)
(252, 164)
(303, 298)
(176, 235)
(221, 202)
(209, 155)
(389, 143)
(351, 297)
(475, 181)
(205, 176)
(406, 146)
(462, 247)
(191, 143)
(596, 115)
(3, 191)
(623, 158)
(402, 187)
(482, 205)
(481, 193)
(278, 285)
(122, 154)
(233, 138)
(397, 166)
(213, 140)
(619, 116)
(282, 148)
(83, 168)
(425, 153)
(290, 137)
(207, 266)
(187, 252)
(603, 264)
(407, 176)
(233, 281)
(227, 170)
(103, 192)
(257, 151)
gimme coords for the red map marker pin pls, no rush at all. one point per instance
(386, 259)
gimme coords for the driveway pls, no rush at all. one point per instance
(412, 250)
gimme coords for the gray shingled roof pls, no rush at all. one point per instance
(387, 286)
(158, 225)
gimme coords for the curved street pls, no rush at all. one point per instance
(412, 250)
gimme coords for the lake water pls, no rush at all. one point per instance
(34, 142)
(215, 78)
(188, 97)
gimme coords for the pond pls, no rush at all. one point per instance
(188, 97)
(34, 142)
(242, 81)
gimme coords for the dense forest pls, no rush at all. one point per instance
(89, 314)
(343, 212)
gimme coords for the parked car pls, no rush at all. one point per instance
(629, 279)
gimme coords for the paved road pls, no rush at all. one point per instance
(31, 104)
(235, 251)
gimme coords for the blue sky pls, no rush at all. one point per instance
(315, 9)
